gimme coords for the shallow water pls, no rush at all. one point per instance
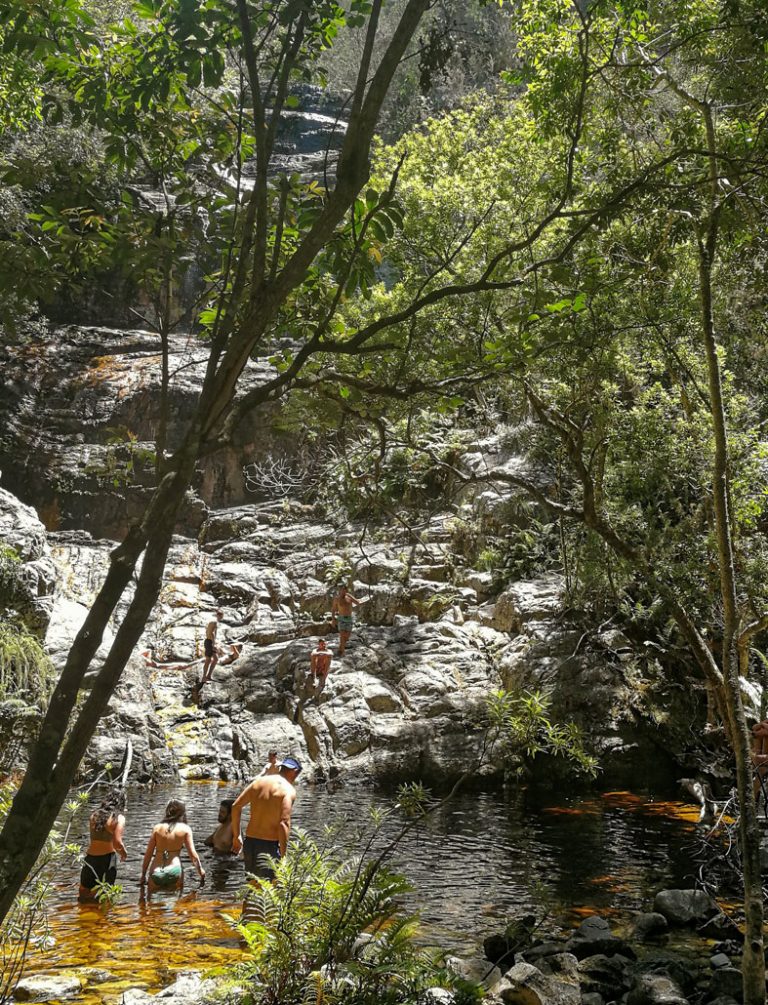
(474, 862)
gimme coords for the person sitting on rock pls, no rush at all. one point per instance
(211, 652)
(271, 767)
(221, 839)
(341, 610)
(320, 665)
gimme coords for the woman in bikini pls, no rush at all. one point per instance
(106, 825)
(163, 848)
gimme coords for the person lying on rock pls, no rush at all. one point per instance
(341, 610)
(211, 652)
(106, 825)
(270, 800)
(221, 839)
(320, 665)
(163, 850)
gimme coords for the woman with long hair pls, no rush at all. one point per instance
(164, 847)
(106, 825)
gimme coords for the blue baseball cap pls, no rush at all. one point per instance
(291, 764)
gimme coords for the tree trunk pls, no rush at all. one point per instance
(753, 963)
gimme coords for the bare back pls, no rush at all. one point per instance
(266, 798)
(170, 840)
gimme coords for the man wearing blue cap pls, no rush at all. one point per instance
(271, 799)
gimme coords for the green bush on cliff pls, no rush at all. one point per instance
(25, 670)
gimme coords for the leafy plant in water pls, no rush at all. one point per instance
(330, 929)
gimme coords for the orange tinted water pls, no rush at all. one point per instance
(474, 864)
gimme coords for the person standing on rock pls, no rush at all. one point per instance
(320, 665)
(211, 652)
(341, 609)
(270, 800)
(271, 767)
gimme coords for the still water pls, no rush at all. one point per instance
(472, 864)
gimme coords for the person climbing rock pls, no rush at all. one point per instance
(163, 849)
(221, 839)
(211, 652)
(320, 665)
(270, 801)
(341, 610)
(271, 767)
(106, 824)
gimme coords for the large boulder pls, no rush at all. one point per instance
(45, 988)
(655, 989)
(684, 907)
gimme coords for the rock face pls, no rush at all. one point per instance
(432, 641)
(29, 589)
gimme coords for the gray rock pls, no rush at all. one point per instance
(44, 988)
(592, 998)
(593, 927)
(655, 989)
(684, 907)
(477, 970)
(719, 960)
(649, 925)
(726, 981)
(525, 984)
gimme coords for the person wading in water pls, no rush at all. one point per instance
(341, 609)
(106, 825)
(270, 799)
(163, 848)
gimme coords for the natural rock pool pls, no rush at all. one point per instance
(472, 864)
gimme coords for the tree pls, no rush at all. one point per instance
(278, 230)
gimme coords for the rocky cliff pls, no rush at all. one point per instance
(432, 640)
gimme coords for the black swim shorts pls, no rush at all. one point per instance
(98, 869)
(208, 645)
(257, 853)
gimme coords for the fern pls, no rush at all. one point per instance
(25, 670)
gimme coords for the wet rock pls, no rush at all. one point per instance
(596, 943)
(515, 937)
(525, 984)
(563, 966)
(41, 989)
(684, 907)
(726, 981)
(540, 951)
(655, 989)
(649, 926)
(609, 976)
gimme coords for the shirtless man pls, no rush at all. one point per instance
(211, 654)
(271, 767)
(320, 664)
(759, 754)
(271, 802)
(341, 609)
(221, 839)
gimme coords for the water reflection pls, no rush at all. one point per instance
(473, 863)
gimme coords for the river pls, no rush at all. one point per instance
(475, 862)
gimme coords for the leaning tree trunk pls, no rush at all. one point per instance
(53, 766)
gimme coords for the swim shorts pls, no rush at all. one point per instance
(98, 869)
(345, 622)
(257, 853)
(208, 647)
